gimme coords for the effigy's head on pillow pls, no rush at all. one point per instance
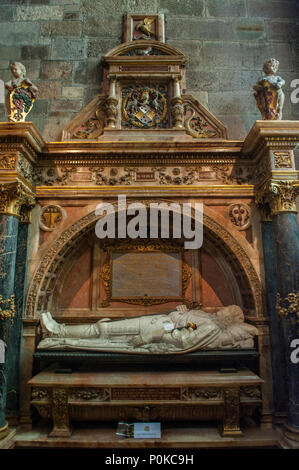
(230, 314)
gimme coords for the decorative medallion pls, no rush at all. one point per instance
(51, 216)
(144, 107)
(239, 215)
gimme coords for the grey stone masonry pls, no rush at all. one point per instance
(61, 43)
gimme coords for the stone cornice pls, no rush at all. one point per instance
(273, 134)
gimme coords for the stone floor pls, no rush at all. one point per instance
(103, 436)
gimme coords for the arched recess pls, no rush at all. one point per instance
(236, 251)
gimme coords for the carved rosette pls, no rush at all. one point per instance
(277, 196)
(16, 199)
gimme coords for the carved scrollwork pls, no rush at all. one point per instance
(196, 126)
(93, 128)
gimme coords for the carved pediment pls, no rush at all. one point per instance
(145, 48)
(143, 86)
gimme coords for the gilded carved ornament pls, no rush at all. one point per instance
(7, 313)
(280, 196)
(288, 306)
(93, 127)
(14, 196)
(7, 161)
(282, 159)
(195, 125)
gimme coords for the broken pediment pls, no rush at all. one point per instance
(144, 91)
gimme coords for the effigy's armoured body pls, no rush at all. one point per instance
(179, 331)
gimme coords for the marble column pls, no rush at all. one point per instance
(276, 337)
(280, 197)
(13, 380)
(8, 251)
(286, 235)
(15, 199)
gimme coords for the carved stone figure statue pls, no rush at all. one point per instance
(21, 93)
(268, 92)
(177, 332)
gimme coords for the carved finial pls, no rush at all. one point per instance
(21, 94)
(268, 92)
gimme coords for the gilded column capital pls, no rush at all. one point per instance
(15, 198)
(277, 196)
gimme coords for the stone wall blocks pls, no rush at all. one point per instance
(231, 102)
(35, 52)
(272, 9)
(40, 12)
(182, 7)
(56, 70)
(23, 32)
(94, 25)
(61, 28)
(48, 89)
(72, 92)
(225, 8)
(66, 48)
(248, 29)
(199, 29)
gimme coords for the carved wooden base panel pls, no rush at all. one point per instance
(161, 397)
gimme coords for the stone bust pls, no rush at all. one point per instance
(21, 93)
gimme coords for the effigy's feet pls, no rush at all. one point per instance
(49, 325)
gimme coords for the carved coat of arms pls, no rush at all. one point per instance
(143, 107)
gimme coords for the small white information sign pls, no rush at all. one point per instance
(147, 430)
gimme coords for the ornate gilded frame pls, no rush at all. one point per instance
(142, 246)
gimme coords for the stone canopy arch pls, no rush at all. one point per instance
(236, 250)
